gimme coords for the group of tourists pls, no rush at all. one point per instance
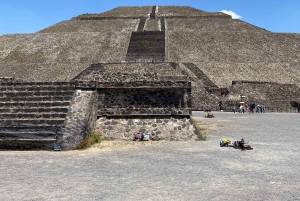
(249, 108)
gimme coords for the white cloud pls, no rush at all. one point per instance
(233, 14)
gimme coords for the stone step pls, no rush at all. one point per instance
(37, 83)
(144, 59)
(47, 134)
(32, 121)
(140, 37)
(153, 10)
(162, 24)
(34, 98)
(35, 88)
(146, 33)
(89, 70)
(35, 93)
(28, 127)
(199, 73)
(35, 110)
(31, 115)
(34, 104)
(142, 50)
(146, 45)
(144, 56)
(141, 24)
(27, 144)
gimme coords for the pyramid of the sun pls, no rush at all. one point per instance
(139, 69)
(208, 48)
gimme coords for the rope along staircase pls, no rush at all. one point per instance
(29, 112)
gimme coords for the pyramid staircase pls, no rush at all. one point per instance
(29, 113)
(141, 24)
(202, 98)
(199, 73)
(162, 24)
(147, 46)
(153, 14)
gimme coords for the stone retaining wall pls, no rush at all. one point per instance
(80, 120)
(277, 97)
(159, 128)
(10, 79)
(160, 108)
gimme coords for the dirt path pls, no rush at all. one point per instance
(193, 170)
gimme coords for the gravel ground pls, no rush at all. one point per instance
(193, 170)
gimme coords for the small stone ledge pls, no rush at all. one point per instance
(95, 17)
(144, 111)
(10, 79)
(258, 82)
(161, 84)
(19, 82)
(138, 84)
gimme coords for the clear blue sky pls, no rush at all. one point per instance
(29, 16)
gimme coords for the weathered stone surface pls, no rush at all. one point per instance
(164, 131)
(273, 96)
(82, 120)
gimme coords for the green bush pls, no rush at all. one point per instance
(88, 142)
(94, 138)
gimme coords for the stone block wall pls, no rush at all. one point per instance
(276, 97)
(132, 72)
(9, 79)
(80, 120)
(142, 98)
(161, 109)
(159, 128)
(136, 98)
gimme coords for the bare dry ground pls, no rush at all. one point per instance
(192, 170)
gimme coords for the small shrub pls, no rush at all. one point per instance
(84, 144)
(88, 142)
(94, 138)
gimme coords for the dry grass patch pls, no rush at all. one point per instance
(204, 129)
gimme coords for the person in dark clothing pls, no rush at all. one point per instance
(242, 143)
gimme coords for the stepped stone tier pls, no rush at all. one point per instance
(139, 69)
